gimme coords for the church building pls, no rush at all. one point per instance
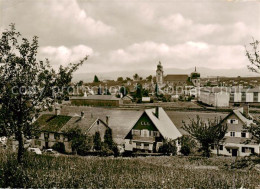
(176, 79)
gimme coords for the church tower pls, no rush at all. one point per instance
(195, 78)
(159, 74)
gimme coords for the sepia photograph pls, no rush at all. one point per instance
(130, 94)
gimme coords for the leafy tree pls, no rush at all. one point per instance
(136, 76)
(206, 133)
(120, 79)
(156, 90)
(139, 91)
(149, 78)
(123, 90)
(80, 83)
(79, 141)
(168, 147)
(108, 139)
(96, 80)
(254, 129)
(27, 86)
(253, 56)
(128, 79)
(187, 144)
(97, 141)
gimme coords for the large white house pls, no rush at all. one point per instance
(238, 141)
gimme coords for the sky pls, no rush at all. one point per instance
(124, 37)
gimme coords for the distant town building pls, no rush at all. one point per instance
(195, 78)
(217, 97)
(96, 100)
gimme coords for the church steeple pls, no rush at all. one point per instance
(159, 73)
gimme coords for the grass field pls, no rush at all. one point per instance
(141, 172)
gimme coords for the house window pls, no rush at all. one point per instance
(252, 150)
(57, 136)
(46, 135)
(136, 132)
(232, 134)
(233, 121)
(97, 122)
(138, 144)
(243, 135)
(243, 149)
(221, 147)
(156, 134)
(146, 144)
(212, 146)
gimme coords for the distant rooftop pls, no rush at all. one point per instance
(96, 97)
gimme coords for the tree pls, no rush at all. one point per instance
(168, 147)
(136, 76)
(206, 133)
(97, 141)
(80, 83)
(254, 56)
(79, 142)
(120, 79)
(123, 90)
(254, 129)
(139, 91)
(108, 139)
(96, 80)
(27, 86)
(149, 78)
(187, 144)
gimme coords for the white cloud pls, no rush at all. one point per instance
(184, 55)
(62, 55)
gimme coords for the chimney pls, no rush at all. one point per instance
(82, 115)
(107, 120)
(157, 112)
(246, 110)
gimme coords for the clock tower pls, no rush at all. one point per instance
(159, 74)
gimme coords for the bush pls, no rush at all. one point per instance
(187, 144)
(59, 147)
(168, 147)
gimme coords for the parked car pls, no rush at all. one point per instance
(35, 150)
(51, 151)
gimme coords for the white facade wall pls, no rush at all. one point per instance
(237, 97)
(249, 97)
(214, 99)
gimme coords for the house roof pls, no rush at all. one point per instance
(51, 123)
(239, 113)
(83, 123)
(96, 97)
(176, 77)
(164, 124)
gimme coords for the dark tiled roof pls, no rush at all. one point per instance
(174, 77)
(51, 123)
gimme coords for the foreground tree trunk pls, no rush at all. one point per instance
(20, 145)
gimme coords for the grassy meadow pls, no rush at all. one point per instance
(108, 172)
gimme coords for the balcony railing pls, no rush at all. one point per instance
(140, 138)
